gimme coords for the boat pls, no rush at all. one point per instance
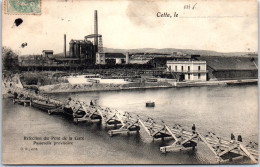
(69, 112)
(150, 104)
(44, 105)
(21, 99)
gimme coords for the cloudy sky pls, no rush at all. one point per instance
(224, 26)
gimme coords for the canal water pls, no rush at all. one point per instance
(222, 110)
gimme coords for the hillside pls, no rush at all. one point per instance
(184, 51)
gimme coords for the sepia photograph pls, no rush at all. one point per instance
(129, 82)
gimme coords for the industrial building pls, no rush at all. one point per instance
(100, 59)
(82, 54)
(84, 50)
(188, 70)
(47, 53)
(112, 58)
(202, 68)
(229, 68)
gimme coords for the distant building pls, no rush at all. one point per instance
(47, 53)
(140, 60)
(84, 50)
(119, 58)
(188, 70)
(112, 58)
(100, 58)
(230, 68)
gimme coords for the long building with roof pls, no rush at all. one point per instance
(225, 68)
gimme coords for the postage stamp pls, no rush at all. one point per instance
(31, 7)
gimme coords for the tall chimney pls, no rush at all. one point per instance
(127, 58)
(96, 28)
(65, 45)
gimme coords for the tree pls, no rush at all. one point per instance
(9, 60)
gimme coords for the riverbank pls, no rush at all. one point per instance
(217, 83)
(74, 88)
(69, 88)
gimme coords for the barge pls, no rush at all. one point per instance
(74, 113)
(44, 105)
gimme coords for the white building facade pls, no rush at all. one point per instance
(100, 58)
(189, 70)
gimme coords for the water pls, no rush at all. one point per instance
(223, 110)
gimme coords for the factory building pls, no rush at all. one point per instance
(100, 58)
(47, 53)
(188, 70)
(230, 68)
(112, 58)
(143, 60)
(83, 50)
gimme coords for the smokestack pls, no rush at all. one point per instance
(127, 58)
(96, 28)
(65, 45)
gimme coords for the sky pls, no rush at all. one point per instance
(218, 25)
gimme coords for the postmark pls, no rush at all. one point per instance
(27, 7)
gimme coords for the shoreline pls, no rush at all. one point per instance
(103, 90)
(174, 85)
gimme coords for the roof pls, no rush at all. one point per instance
(114, 55)
(186, 62)
(65, 58)
(61, 54)
(48, 51)
(230, 63)
(139, 61)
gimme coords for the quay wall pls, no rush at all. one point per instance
(66, 87)
(69, 88)
(216, 83)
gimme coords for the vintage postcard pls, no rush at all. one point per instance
(129, 82)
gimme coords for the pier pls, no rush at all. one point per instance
(125, 123)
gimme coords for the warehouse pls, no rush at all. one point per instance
(229, 68)
(113, 58)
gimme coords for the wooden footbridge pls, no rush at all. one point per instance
(126, 123)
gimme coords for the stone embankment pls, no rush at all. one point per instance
(66, 87)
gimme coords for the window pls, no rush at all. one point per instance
(188, 76)
(170, 68)
(198, 75)
(176, 68)
(181, 68)
(199, 68)
(188, 68)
